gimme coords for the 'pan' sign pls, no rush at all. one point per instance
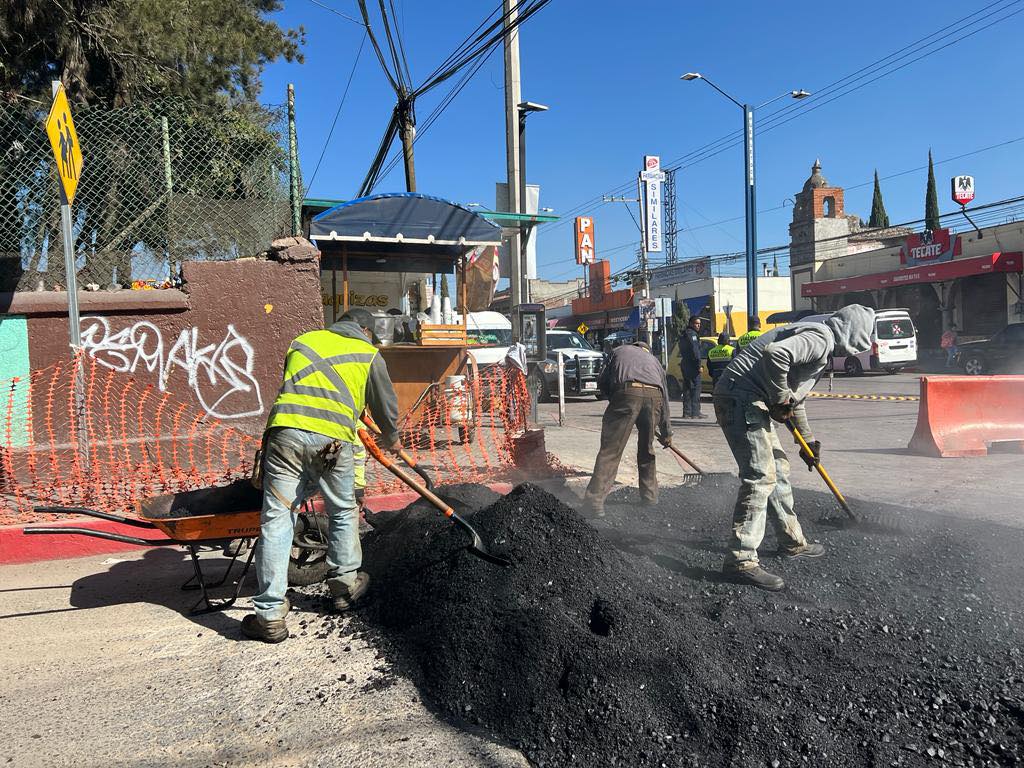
(585, 251)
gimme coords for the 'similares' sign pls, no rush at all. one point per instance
(651, 178)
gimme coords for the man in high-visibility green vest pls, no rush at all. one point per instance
(719, 356)
(753, 331)
(330, 376)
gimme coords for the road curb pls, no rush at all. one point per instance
(17, 548)
(843, 396)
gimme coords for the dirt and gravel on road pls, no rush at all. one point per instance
(617, 643)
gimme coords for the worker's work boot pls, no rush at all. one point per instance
(345, 598)
(256, 627)
(755, 577)
(807, 550)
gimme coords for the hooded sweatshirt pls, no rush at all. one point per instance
(380, 393)
(783, 365)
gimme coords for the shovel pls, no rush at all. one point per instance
(821, 470)
(402, 454)
(477, 545)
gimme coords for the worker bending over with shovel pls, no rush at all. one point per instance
(637, 391)
(768, 381)
(330, 376)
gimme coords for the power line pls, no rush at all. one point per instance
(337, 112)
(336, 12)
(775, 119)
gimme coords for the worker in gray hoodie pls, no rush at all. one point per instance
(768, 381)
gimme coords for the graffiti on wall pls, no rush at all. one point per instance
(220, 376)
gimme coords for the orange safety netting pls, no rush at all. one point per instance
(80, 434)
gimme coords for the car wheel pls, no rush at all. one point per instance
(974, 365)
(675, 390)
(539, 387)
(853, 367)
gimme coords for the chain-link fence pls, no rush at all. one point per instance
(160, 184)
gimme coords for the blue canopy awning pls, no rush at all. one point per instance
(404, 231)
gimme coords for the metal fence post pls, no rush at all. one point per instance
(561, 386)
(165, 132)
(293, 166)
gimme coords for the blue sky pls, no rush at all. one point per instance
(610, 73)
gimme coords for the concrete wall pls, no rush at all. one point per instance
(217, 344)
(773, 295)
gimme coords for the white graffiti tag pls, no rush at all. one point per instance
(219, 375)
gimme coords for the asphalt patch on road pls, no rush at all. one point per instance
(617, 642)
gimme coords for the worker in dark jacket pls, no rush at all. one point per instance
(719, 356)
(637, 391)
(768, 381)
(689, 363)
(330, 376)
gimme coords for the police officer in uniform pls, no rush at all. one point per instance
(719, 356)
(330, 376)
(753, 331)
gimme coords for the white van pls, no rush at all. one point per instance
(490, 336)
(893, 344)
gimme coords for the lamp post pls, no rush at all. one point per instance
(524, 108)
(749, 187)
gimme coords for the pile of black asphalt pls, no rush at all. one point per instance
(617, 642)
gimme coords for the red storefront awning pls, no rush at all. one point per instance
(934, 273)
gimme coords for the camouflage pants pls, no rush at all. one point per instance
(764, 481)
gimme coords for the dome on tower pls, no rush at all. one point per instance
(816, 180)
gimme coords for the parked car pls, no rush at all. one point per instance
(489, 334)
(583, 365)
(893, 344)
(1003, 353)
(674, 371)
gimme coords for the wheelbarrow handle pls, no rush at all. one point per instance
(402, 454)
(86, 512)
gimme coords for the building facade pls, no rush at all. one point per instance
(943, 277)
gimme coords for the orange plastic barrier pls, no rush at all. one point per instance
(965, 415)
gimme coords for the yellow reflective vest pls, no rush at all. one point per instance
(747, 337)
(720, 352)
(324, 389)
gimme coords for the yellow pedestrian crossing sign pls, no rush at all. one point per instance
(582, 329)
(64, 141)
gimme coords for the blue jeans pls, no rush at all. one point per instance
(764, 481)
(292, 472)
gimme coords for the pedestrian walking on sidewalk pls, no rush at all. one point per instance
(689, 362)
(950, 342)
(766, 382)
(637, 391)
(330, 376)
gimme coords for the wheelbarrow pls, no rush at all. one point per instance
(225, 517)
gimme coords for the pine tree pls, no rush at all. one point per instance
(879, 218)
(931, 199)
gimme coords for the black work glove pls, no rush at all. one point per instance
(665, 440)
(813, 458)
(781, 412)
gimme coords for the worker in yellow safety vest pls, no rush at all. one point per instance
(311, 442)
(719, 356)
(753, 331)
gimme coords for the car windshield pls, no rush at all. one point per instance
(567, 341)
(896, 328)
(501, 337)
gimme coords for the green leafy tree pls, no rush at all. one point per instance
(879, 218)
(931, 199)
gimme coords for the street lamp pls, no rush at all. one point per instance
(524, 108)
(748, 179)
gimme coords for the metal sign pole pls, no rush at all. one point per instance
(561, 386)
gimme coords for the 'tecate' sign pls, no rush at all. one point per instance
(929, 247)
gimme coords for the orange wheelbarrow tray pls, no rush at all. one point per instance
(224, 517)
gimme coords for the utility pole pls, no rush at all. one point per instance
(407, 129)
(513, 96)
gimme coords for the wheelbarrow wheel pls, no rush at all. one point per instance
(308, 566)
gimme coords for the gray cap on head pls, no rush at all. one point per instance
(642, 344)
(363, 317)
(852, 326)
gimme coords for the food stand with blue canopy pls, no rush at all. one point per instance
(407, 232)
